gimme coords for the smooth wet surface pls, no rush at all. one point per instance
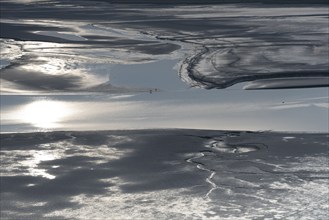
(121, 67)
(69, 69)
(288, 110)
(164, 174)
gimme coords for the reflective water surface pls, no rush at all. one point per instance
(232, 109)
(123, 67)
(214, 110)
(164, 174)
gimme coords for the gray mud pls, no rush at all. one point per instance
(218, 45)
(164, 174)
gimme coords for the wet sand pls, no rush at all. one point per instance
(218, 45)
(164, 174)
(68, 67)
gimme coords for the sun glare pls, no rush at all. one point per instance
(45, 114)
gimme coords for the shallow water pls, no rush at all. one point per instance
(231, 109)
(70, 69)
(164, 174)
(133, 67)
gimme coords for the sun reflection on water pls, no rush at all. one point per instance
(33, 164)
(45, 114)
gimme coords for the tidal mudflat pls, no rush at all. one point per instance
(164, 174)
(172, 110)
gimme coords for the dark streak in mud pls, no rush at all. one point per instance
(199, 80)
